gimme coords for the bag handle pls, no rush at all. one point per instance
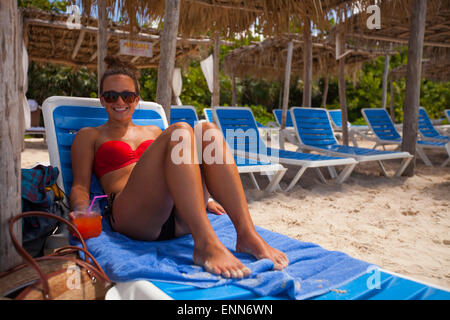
(33, 262)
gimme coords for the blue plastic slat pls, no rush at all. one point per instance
(382, 124)
(209, 116)
(278, 115)
(183, 115)
(336, 116)
(314, 127)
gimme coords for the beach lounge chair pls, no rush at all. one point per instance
(274, 171)
(314, 131)
(427, 130)
(64, 116)
(385, 134)
(239, 128)
(208, 114)
(183, 114)
(270, 131)
(288, 133)
(447, 114)
(353, 130)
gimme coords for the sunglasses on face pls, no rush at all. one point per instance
(113, 96)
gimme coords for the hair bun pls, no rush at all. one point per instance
(118, 65)
(118, 62)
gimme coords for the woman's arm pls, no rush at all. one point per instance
(82, 155)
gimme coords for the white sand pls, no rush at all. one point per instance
(400, 224)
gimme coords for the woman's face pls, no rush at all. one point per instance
(119, 110)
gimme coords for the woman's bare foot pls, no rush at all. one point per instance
(256, 246)
(217, 259)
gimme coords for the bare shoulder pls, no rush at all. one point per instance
(87, 135)
(153, 130)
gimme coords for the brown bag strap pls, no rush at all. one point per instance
(95, 269)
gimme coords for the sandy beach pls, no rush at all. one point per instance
(400, 224)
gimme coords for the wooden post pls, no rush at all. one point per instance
(10, 133)
(215, 98)
(342, 86)
(287, 80)
(385, 80)
(102, 41)
(168, 51)
(413, 75)
(391, 103)
(325, 92)
(307, 64)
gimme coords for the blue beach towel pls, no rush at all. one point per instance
(312, 270)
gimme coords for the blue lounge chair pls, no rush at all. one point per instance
(447, 114)
(183, 114)
(314, 131)
(274, 172)
(353, 130)
(385, 134)
(336, 120)
(427, 130)
(241, 132)
(208, 114)
(270, 131)
(64, 116)
(288, 133)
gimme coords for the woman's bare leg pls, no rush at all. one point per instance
(224, 184)
(155, 185)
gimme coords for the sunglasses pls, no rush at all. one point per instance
(113, 96)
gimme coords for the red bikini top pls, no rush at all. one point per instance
(116, 154)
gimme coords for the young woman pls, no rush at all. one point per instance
(150, 197)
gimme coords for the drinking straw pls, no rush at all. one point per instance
(92, 202)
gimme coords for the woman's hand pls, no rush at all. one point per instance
(216, 208)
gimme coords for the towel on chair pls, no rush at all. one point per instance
(312, 270)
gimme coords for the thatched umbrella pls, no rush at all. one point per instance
(226, 18)
(49, 38)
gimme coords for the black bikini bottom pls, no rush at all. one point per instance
(167, 229)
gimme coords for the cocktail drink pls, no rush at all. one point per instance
(89, 222)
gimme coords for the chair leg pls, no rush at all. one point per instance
(275, 180)
(403, 166)
(345, 173)
(296, 178)
(332, 171)
(383, 169)
(252, 176)
(423, 156)
(447, 147)
(320, 174)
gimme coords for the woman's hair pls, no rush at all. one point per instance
(116, 65)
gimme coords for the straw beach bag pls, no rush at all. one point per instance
(60, 275)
